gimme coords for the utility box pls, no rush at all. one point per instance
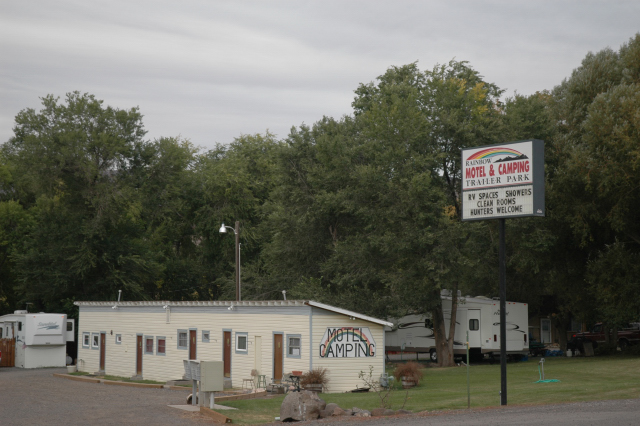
(211, 376)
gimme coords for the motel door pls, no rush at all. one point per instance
(227, 354)
(192, 344)
(277, 358)
(103, 341)
(139, 355)
(473, 316)
(545, 330)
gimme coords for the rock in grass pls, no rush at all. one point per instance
(301, 406)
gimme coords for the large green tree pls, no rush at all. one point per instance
(594, 185)
(69, 164)
(368, 205)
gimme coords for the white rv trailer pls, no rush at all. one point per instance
(480, 316)
(40, 338)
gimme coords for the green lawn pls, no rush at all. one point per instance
(581, 379)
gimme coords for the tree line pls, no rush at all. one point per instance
(361, 211)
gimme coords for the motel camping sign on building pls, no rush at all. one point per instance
(347, 342)
(503, 180)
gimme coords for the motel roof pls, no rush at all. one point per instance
(245, 303)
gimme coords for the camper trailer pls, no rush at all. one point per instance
(40, 339)
(480, 316)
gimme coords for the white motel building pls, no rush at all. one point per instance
(150, 339)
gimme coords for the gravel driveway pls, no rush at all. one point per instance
(35, 397)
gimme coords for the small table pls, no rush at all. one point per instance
(295, 381)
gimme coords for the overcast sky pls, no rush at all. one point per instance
(210, 71)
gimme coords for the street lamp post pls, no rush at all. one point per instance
(236, 231)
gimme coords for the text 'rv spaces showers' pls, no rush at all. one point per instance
(497, 181)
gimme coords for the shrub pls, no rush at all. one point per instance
(411, 370)
(605, 349)
(634, 350)
(315, 376)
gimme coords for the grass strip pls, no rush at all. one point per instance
(580, 379)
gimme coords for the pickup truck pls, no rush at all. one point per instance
(627, 336)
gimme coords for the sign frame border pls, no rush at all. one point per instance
(537, 176)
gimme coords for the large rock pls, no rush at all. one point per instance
(359, 412)
(301, 406)
(337, 412)
(328, 410)
(377, 412)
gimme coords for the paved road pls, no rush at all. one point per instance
(35, 397)
(610, 413)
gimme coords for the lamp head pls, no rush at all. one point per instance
(223, 229)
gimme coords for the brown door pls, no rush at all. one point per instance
(139, 355)
(277, 357)
(103, 342)
(227, 354)
(8, 349)
(192, 344)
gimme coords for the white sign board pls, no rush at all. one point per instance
(505, 180)
(347, 342)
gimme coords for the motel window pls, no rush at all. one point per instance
(86, 338)
(294, 345)
(148, 345)
(474, 324)
(205, 336)
(183, 339)
(19, 326)
(161, 346)
(118, 339)
(242, 343)
(1, 329)
(95, 340)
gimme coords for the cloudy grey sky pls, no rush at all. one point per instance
(211, 70)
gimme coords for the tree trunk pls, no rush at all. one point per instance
(607, 333)
(562, 324)
(444, 342)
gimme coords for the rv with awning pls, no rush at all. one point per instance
(480, 316)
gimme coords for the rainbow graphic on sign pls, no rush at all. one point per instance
(492, 152)
(347, 342)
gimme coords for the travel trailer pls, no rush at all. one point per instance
(480, 316)
(39, 339)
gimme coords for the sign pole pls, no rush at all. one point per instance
(502, 181)
(468, 383)
(503, 316)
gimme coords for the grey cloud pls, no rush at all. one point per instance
(211, 71)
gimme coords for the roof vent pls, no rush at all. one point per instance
(20, 312)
